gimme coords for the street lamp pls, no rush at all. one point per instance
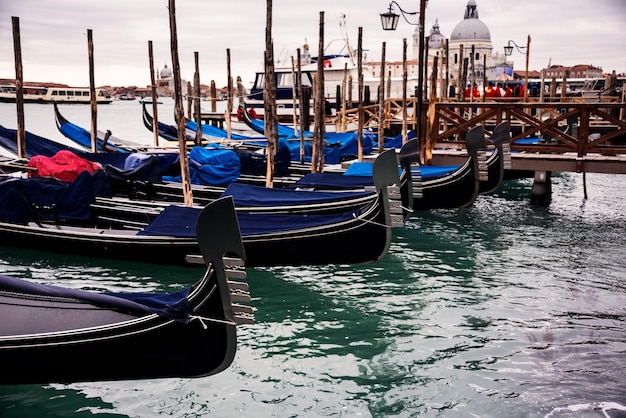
(508, 50)
(389, 21)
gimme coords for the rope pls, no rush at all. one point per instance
(372, 222)
(202, 320)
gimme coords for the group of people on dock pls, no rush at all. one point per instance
(494, 91)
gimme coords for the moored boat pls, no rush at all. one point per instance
(51, 94)
(51, 334)
(39, 214)
(445, 187)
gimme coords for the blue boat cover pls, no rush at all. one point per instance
(436, 171)
(393, 141)
(169, 305)
(213, 166)
(527, 141)
(359, 168)
(174, 221)
(248, 195)
(22, 200)
(83, 137)
(35, 145)
(334, 181)
(346, 142)
(38, 145)
(216, 132)
(180, 221)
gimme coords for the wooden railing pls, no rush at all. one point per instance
(580, 125)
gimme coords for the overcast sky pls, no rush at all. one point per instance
(54, 34)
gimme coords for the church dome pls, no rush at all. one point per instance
(471, 27)
(435, 37)
(166, 72)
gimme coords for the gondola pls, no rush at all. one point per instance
(105, 140)
(51, 334)
(61, 219)
(457, 188)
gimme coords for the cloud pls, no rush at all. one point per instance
(54, 41)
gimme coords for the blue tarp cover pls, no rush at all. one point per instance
(251, 195)
(24, 199)
(347, 142)
(527, 141)
(170, 305)
(180, 221)
(211, 166)
(83, 137)
(334, 181)
(436, 171)
(393, 141)
(216, 132)
(35, 145)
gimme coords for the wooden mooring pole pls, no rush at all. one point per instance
(153, 90)
(19, 89)
(271, 129)
(92, 94)
(179, 111)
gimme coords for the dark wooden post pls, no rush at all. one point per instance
(360, 103)
(303, 106)
(189, 100)
(229, 103)
(431, 126)
(197, 111)
(404, 82)
(344, 97)
(155, 119)
(338, 108)
(381, 101)
(270, 98)
(317, 155)
(349, 91)
(462, 82)
(178, 108)
(213, 97)
(92, 94)
(19, 89)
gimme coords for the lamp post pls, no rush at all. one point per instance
(508, 50)
(389, 21)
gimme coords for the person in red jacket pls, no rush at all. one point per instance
(492, 91)
(508, 91)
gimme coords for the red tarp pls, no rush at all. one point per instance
(64, 166)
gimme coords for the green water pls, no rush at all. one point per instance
(499, 310)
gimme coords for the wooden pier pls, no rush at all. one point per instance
(571, 135)
(574, 135)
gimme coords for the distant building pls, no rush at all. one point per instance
(577, 71)
(165, 82)
(472, 36)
